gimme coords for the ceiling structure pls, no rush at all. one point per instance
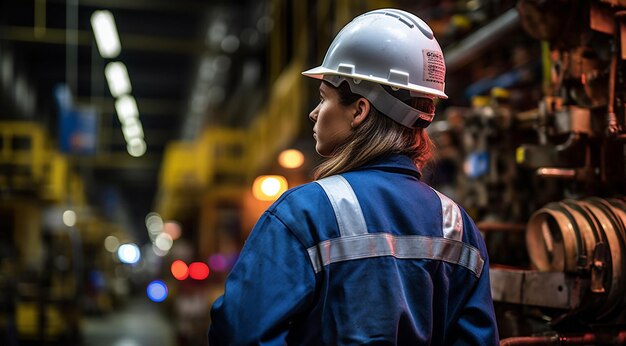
(190, 63)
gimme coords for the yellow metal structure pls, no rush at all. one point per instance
(183, 168)
(27, 317)
(54, 188)
(22, 155)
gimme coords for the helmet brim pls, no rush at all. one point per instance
(320, 71)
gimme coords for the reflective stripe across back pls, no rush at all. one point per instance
(355, 242)
(399, 246)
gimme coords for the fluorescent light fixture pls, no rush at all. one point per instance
(105, 31)
(132, 130)
(136, 147)
(117, 78)
(126, 108)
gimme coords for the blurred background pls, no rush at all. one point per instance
(141, 140)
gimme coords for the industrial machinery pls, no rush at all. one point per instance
(552, 179)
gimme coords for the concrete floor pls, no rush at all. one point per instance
(140, 323)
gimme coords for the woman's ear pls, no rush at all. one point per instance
(361, 111)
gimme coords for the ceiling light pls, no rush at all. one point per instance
(136, 147)
(132, 130)
(117, 78)
(105, 32)
(126, 108)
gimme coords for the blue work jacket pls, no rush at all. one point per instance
(373, 256)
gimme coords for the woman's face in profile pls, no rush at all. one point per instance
(333, 121)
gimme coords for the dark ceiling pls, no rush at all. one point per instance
(173, 50)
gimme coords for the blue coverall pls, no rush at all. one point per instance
(373, 256)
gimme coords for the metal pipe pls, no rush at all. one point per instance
(492, 226)
(612, 125)
(549, 172)
(468, 49)
(530, 340)
(593, 338)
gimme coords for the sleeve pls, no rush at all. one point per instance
(477, 323)
(272, 282)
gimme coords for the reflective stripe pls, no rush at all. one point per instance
(452, 219)
(399, 246)
(345, 205)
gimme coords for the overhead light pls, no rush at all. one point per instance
(132, 130)
(136, 147)
(105, 31)
(117, 78)
(126, 108)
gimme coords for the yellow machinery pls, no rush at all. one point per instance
(41, 274)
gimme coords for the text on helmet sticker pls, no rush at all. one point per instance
(434, 66)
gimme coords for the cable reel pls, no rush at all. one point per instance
(585, 238)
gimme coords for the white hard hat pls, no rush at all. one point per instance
(386, 47)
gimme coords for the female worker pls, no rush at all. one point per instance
(367, 254)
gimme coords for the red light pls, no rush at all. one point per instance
(198, 270)
(179, 270)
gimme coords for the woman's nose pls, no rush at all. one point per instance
(313, 114)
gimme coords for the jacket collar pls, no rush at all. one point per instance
(394, 163)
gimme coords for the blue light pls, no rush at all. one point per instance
(157, 291)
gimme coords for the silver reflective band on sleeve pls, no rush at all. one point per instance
(452, 218)
(345, 205)
(399, 246)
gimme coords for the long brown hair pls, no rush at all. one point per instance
(377, 136)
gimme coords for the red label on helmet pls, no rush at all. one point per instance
(434, 66)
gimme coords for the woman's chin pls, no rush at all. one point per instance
(322, 152)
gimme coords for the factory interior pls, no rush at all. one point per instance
(132, 173)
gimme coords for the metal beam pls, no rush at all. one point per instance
(85, 38)
(147, 106)
(155, 137)
(119, 160)
(471, 47)
(178, 6)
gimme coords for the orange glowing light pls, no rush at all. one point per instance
(269, 187)
(198, 270)
(179, 269)
(291, 158)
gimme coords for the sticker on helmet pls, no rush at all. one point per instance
(434, 66)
